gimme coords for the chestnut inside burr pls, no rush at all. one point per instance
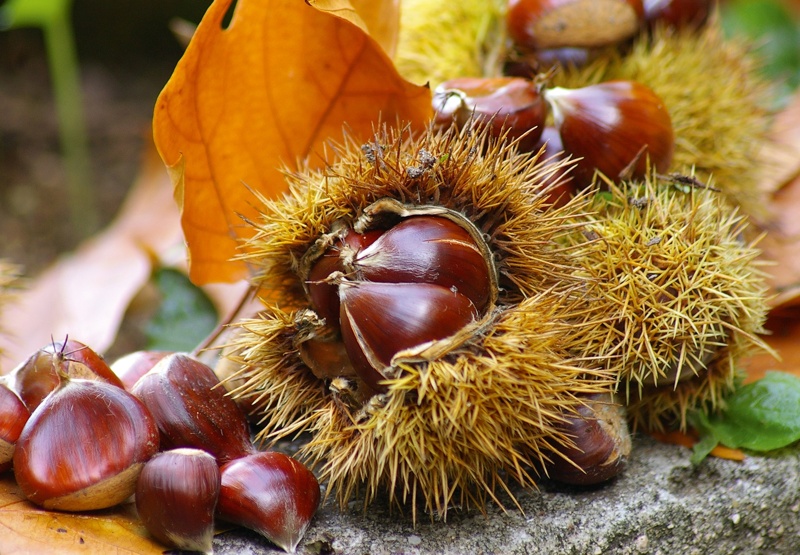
(397, 289)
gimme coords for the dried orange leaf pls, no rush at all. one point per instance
(271, 89)
(722, 452)
(380, 18)
(25, 528)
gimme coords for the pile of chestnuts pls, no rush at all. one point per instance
(80, 437)
(619, 127)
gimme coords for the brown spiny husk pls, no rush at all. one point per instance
(716, 98)
(453, 429)
(683, 295)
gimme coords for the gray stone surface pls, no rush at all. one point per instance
(661, 505)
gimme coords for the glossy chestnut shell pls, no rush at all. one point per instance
(536, 24)
(511, 105)
(397, 289)
(615, 127)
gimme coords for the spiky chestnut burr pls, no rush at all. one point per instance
(716, 98)
(456, 417)
(683, 295)
(475, 43)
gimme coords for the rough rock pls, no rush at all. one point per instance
(661, 505)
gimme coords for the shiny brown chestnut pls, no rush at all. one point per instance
(133, 366)
(677, 13)
(380, 320)
(427, 249)
(84, 447)
(538, 24)
(270, 493)
(40, 374)
(615, 127)
(507, 105)
(13, 416)
(176, 497)
(324, 295)
(192, 409)
(420, 278)
(601, 443)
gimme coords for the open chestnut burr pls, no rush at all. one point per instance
(398, 290)
(424, 322)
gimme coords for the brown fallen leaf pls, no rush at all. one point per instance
(273, 88)
(784, 338)
(26, 529)
(379, 18)
(782, 243)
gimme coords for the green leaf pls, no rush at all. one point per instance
(184, 318)
(703, 447)
(761, 416)
(772, 26)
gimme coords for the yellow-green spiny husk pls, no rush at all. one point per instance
(683, 293)
(455, 428)
(444, 40)
(716, 98)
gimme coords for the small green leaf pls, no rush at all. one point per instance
(761, 416)
(703, 447)
(184, 318)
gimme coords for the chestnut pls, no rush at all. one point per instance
(677, 13)
(600, 443)
(511, 105)
(323, 294)
(192, 409)
(131, 367)
(84, 447)
(380, 320)
(538, 24)
(13, 416)
(270, 493)
(615, 127)
(36, 377)
(559, 185)
(418, 279)
(176, 496)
